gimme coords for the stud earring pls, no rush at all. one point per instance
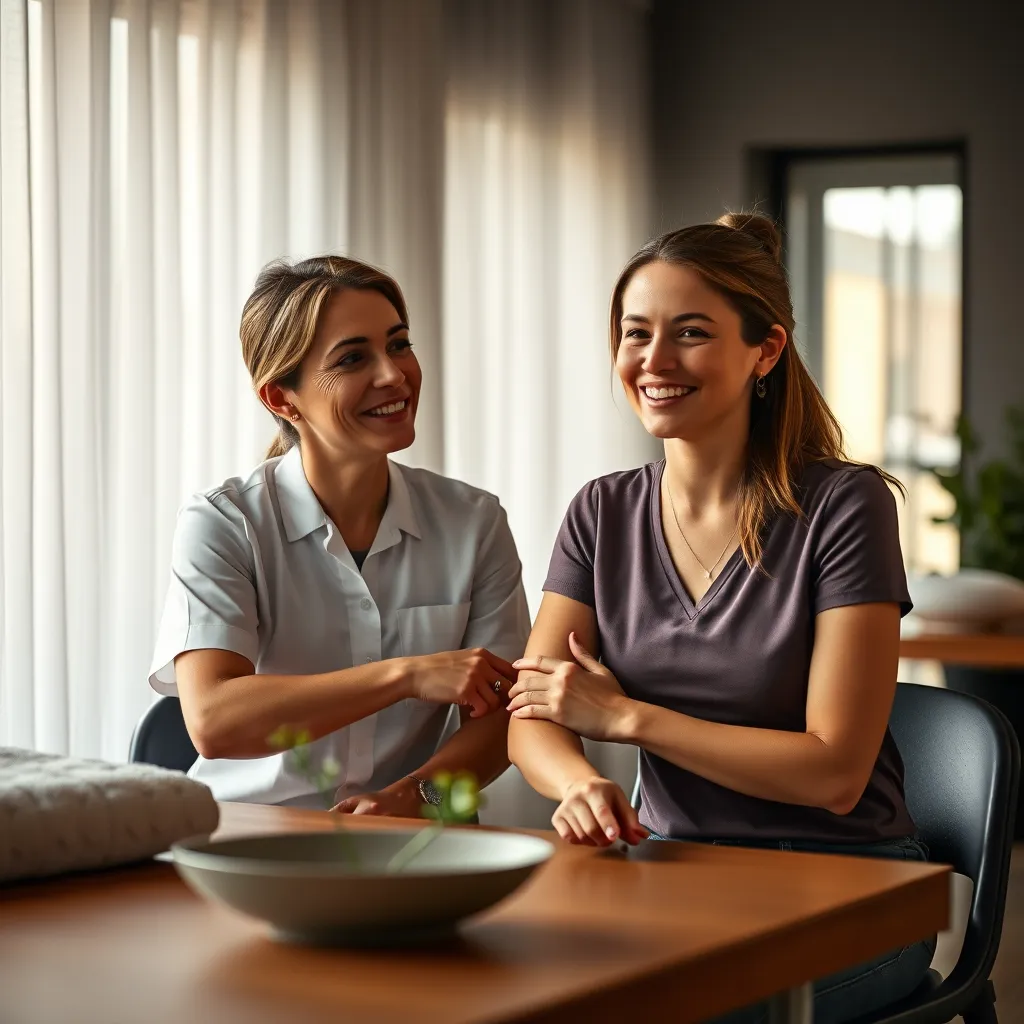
(294, 416)
(761, 387)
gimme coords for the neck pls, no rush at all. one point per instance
(354, 494)
(705, 473)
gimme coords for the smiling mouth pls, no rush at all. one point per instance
(390, 409)
(663, 395)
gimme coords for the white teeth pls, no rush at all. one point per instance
(387, 410)
(666, 392)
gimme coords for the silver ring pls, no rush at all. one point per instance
(497, 686)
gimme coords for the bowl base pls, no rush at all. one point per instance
(396, 937)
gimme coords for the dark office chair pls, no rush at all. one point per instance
(161, 738)
(962, 764)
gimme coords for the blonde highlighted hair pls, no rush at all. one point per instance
(280, 318)
(740, 256)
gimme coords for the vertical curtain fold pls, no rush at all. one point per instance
(154, 154)
(545, 198)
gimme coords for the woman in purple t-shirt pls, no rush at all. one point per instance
(743, 596)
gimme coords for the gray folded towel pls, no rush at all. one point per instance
(62, 814)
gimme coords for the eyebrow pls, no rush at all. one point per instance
(636, 318)
(363, 340)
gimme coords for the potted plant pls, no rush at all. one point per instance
(989, 515)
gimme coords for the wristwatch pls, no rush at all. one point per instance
(429, 793)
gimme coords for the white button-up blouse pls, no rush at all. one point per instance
(257, 568)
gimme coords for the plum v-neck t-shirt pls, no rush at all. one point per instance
(741, 654)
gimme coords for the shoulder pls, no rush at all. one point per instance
(616, 494)
(446, 502)
(831, 488)
(224, 510)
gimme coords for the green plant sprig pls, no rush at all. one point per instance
(460, 795)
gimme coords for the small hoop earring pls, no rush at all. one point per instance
(761, 387)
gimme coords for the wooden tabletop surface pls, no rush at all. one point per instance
(992, 650)
(590, 937)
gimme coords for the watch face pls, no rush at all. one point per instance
(430, 793)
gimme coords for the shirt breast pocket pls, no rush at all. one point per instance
(430, 628)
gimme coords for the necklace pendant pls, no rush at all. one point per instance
(707, 574)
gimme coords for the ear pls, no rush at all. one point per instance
(280, 401)
(771, 349)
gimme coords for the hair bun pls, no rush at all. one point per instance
(759, 227)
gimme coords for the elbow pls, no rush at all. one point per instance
(208, 745)
(210, 740)
(843, 795)
(517, 748)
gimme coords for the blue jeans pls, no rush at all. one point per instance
(867, 987)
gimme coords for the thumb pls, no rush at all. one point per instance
(583, 656)
(346, 806)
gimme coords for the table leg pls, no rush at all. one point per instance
(795, 1006)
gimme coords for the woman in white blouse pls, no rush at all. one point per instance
(332, 589)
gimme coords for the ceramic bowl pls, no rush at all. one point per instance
(971, 600)
(307, 890)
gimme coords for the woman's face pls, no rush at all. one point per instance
(359, 384)
(682, 361)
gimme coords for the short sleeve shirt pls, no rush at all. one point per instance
(741, 655)
(259, 569)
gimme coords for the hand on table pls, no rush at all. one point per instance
(595, 812)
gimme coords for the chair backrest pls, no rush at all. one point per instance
(962, 770)
(161, 738)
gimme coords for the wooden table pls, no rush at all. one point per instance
(988, 649)
(589, 938)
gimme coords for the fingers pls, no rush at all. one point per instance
(539, 663)
(504, 668)
(569, 827)
(357, 805)
(527, 697)
(582, 655)
(632, 831)
(476, 702)
(607, 822)
(543, 711)
(586, 815)
(529, 682)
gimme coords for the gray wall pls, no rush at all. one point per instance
(736, 75)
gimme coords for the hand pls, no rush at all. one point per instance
(400, 800)
(595, 812)
(467, 678)
(581, 695)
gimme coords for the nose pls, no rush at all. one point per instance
(388, 374)
(660, 353)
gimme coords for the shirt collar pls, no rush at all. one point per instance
(399, 516)
(302, 513)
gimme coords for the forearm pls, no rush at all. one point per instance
(550, 757)
(789, 767)
(479, 746)
(236, 717)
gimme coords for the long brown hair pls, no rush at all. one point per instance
(280, 317)
(740, 256)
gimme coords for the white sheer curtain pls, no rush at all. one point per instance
(546, 197)
(153, 155)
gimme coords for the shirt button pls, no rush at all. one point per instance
(366, 604)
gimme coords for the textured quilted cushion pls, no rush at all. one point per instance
(60, 814)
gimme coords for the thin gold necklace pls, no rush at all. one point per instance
(707, 572)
